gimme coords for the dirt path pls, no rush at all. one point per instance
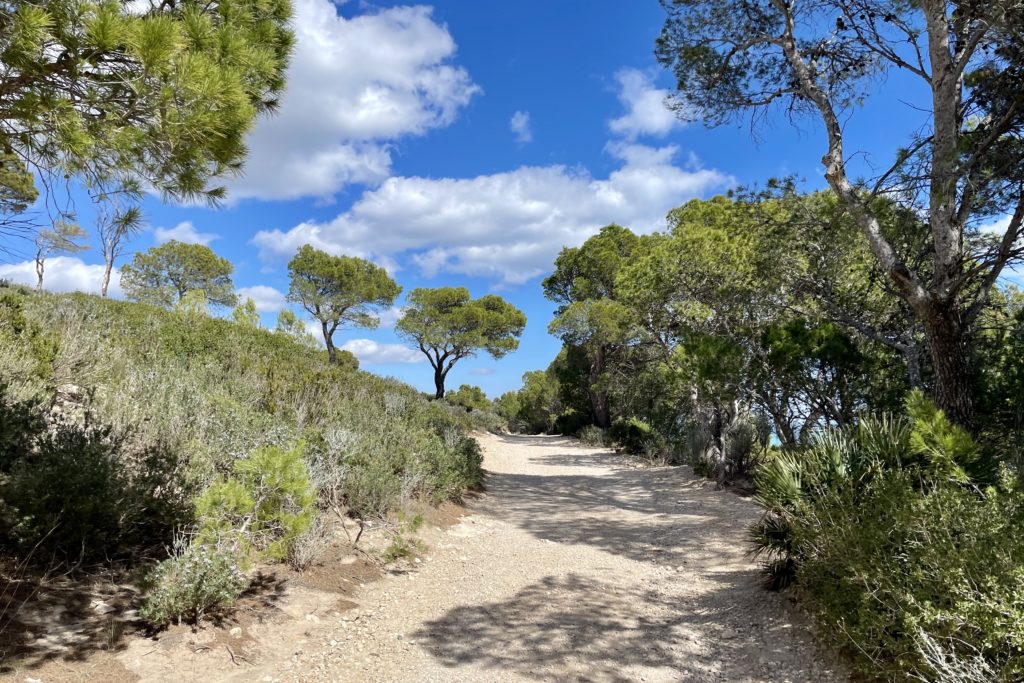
(573, 567)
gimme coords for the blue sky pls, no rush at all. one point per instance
(464, 143)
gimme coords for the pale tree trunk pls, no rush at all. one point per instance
(107, 267)
(945, 338)
(39, 272)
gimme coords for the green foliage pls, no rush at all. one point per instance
(632, 435)
(63, 238)
(200, 397)
(404, 545)
(265, 506)
(536, 406)
(1001, 383)
(245, 314)
(191, 584)
(30, 351)
(292, 326)
(508, 405)
(164, 94)
(447, 326)
(339, 290)
(589, 272)
(887, 531)
(163, 275)
(381, 469)
(193, 304)
(590, 318)
(80, 495)
(592, 435)
(570, 421)
(469, 397)
(17, 186)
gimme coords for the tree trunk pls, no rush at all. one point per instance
(39, 274)
(332, 353)
(439, 376)
(599, 399)
(107, 267)
(949, 348)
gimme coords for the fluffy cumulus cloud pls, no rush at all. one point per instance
(506, 226)
(267, 299)
(646, 113)
(371, 352)
(355, 85)
(519, 124)
(63, 274)
(183, 232)
(389, 316)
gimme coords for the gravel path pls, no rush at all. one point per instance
(574, 566)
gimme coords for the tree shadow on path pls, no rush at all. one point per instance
(695, 611)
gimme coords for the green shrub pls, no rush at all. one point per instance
(592, 435)
(265, 506)
(903, 548)
(372, 488)
(632, 435)
(190, 585)
(21, 423)
(202, 397)
(569, 422)
(898, 563)
(469, 398)
(404, 545)
(79, 496)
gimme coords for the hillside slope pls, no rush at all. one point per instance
(116, 416)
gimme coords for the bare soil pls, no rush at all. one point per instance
(575, 565)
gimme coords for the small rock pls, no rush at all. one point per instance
(101, 607)
(236, 632)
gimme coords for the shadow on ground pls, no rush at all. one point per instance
(577, 628)
(663, 515)
(582, 628)
(70, 620)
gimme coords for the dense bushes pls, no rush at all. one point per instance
(903, 542)
(632, 434)
(82, 496)
(593, 436)
(120, 423)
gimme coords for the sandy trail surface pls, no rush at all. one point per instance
(574, 566)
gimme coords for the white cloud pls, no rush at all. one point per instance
(267, 299)
(184, 232)
(64, 274)
(354, 86)
(519, 124)
(507, 226)
(997, 227)
(314, 328)
(374, 353)
(646, 113)
(390, 316)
